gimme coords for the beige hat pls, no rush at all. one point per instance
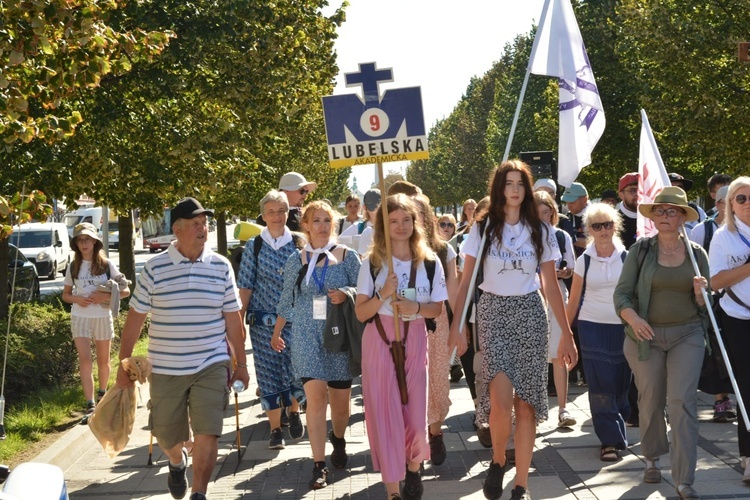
(85, 229)
(293, 181)
(670, 195)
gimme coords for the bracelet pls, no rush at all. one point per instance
(241, 365)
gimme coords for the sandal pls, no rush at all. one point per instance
(609, 454)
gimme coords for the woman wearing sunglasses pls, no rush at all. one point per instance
(661, 301)
(447, 226)
(599, 328)
(730, 270)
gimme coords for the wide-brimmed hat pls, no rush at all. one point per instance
(675, 177)
(293, 181)
(86, 229)
(188, 208)
(670, 195)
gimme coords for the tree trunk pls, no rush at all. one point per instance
(125, 246)
(221, 233)
(4, 283)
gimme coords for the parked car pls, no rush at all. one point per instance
(26, 278)
(46, 244)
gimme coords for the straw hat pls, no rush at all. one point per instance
(670, 195)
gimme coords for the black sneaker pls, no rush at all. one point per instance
(296, 429)
(456, 373)
(320, 476)
(90, 407)
(493, 484)
(100, 394)
(177, 478)
(520, 493)
(198, 496)
(277, 440)
(437, 449)
(338, 455)
(413, 488)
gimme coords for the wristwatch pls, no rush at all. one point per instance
(380, 297)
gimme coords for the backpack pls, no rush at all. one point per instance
(708, 232)
(258, 244)
(361, 225)
(586, 264)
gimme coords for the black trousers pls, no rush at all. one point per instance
(736, 336)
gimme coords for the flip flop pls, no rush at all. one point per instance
(609, 454)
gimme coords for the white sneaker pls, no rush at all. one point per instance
(565, 419)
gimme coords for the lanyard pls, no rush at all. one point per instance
(322, 280)
(744, 240)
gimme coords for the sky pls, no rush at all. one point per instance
(436, 45)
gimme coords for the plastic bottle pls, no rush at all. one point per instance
(238, 386)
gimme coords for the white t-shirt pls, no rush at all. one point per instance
(85, 284)
(352, 238)
(604, 273)
(728, 251)
(403, 270)
(512, 268)
(365, 239)
(698, 233)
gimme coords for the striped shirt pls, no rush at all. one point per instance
(187, 301)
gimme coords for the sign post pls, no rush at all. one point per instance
(377, 129)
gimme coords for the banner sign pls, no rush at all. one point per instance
(378, 129)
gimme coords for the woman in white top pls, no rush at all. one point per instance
(729, 260)
(398, 432)
(600, 330)
(90, 315)
(512, 319)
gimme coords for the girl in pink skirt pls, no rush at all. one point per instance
(398, 432)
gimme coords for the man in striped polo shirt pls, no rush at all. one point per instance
(194, 304)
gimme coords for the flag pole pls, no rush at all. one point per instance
(712, 317)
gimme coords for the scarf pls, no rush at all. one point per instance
(605, 263)
(627, 212)
(312, 261)
(515, 236)
(278, 242)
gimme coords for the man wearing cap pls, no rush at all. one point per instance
(296, 188)
(627, 190)
(686, 185)
(576, 197)
(194, 304)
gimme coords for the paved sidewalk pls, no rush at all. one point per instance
(565, 464)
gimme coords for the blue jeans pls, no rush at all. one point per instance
(608, 377)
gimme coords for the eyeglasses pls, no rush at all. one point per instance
(741, 199)
(630, 191)
(597, 226)
(669, 212)
(446, 225)
(304, 192)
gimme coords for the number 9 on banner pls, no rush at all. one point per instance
(374, 122)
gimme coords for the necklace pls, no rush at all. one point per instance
(672, 252)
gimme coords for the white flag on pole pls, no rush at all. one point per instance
(653, 176)
(559, 51)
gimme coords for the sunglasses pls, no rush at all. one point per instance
(304, 192)
(597, 226)
(669, 212)
(446, 225)
(741, 199)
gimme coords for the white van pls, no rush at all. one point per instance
(91, 215)
(46, 244)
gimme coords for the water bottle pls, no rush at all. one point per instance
(238, 386)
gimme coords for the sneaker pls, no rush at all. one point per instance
(652, 475)
(177, 478)
(456, 373)
(413, 488)
(720, 413)
(296, 429)
(320, 476)
(277, 440)
(90, 407)
(437, 449)
(493, 484)
(100, 394)
(729, 408)
(565, 419)
(198, 496)
(338, 455)
(484, 435)
(284, 417)
(519, 493)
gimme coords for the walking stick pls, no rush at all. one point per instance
(715, 326)
(237, 423)
(397, 346)
(150, 449)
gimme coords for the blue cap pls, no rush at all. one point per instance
(573, 192)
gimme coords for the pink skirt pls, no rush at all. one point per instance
(397, 433)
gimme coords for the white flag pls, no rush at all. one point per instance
(559, 51)
(653, 176)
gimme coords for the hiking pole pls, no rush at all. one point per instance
(715, 325)
(237, 423)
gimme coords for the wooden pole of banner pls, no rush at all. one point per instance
(397, 347)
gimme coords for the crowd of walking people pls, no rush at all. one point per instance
(547, 297)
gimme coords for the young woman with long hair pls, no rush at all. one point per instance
(512, 319)
(398, 432)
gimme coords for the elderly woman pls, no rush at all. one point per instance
(260, 281)
(547, 209)
(661, 301)
(312, 278)
(730, 270)
(600, 329)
